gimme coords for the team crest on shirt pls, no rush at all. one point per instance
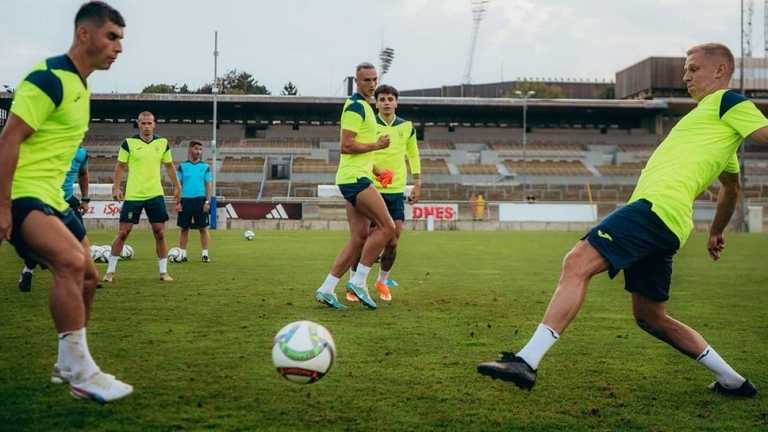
(78, 97)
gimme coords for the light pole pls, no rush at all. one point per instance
(214, 92)
(525, 97)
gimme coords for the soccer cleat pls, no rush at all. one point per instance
(747, 389)
(206, 259)
(362, 294)
(108, 277)
(329, 300)
(101, 388)
(58, 376)
(383, 289)
(351, 297)
(25, 282)
(510, 367)
(391, 283)
(165, 277)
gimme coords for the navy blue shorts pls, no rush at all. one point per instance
(74, 204)
(21, 208)
(192, 214)
(155, 208)
(634, 239)
(351, 190)
(395, 204)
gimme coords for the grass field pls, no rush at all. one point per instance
(198, 350)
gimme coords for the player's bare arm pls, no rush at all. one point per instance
(727, 200)
(349, 144)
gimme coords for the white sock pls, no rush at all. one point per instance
(723, 372)
(383, 276)
(205, 252)
(329, 285)
(112, 266)
(27, 270)
(74, 357)
(351, 275)
(163, 264)
(541, 341)
(361, 274)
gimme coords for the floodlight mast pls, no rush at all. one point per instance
(479, 8)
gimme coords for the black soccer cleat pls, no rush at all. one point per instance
(747, 389)
(206, 259)
(25, 282)
(510, 367)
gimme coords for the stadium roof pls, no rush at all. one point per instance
(424, 110)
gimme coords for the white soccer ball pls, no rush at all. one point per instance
(127, 252)
(103, 253)
(96, 253)
(303, 352)
(249, 235)
(175, 255)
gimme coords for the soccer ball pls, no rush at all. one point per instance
(100, 254)
(249, 235)
(303, 352)
(175, 255)
(96, 253)
(127, 252)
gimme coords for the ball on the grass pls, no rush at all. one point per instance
(303, 352)
(174, 255)
(249, 235)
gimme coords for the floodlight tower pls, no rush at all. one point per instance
(386, 57)
(479, 8)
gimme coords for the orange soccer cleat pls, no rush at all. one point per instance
(383, 290)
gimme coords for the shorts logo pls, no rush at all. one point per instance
(604, 235)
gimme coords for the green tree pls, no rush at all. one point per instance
(236, 82)
(543, 90)
(608, 93)
(166, 88)
(289, 89)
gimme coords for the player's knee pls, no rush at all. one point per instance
(649, 321)
(573, 264)
(159, 233)
(73, 264)
(388, 229)
(123, 234)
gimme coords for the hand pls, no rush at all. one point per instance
(84, 208)
(206, 208)
(117, 194)
(383, 142)
(178, 207)
(6, 223)
(715, 245)
(415, 194)
(385, 178)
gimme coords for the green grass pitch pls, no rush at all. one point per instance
(198, 350)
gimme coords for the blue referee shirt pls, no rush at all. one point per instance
(79, 165)
(193, 176)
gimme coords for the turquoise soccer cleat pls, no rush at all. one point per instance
(329, 300)
(362, 294)
(391, 283)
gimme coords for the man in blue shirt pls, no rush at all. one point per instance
(79, 170)
(195, 178)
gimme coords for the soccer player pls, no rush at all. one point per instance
(642, 237)
(354, 177)
(402, 145)
(79, 170)
(143, 155)
(48, 119)
(195, 178)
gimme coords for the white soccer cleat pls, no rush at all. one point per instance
(101, 388)
(60, 376)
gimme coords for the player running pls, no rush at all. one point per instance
(359, 138)
(642, 237)
(48, 120)
(143, 155)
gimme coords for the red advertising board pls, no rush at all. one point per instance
(439, 212)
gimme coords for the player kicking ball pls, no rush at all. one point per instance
(642, 237)
(48, 120)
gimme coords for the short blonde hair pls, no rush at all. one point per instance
(716, 50)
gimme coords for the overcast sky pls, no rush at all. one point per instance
(316, 43)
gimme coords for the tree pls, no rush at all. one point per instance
(289, 90)
(235, 82)
(608, 93)
(166, 88)
(543, 90)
